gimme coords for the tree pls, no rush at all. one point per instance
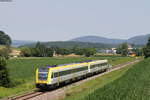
(4, 39)
(79, 51)
(138, 51)
(25, 51)
(123, 49)
(43, 51)
(89, 52)
(63, 51)
(40, 50)
(4, 78)
(146, 50)
(118, 50)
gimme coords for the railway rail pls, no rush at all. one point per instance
(59, 92)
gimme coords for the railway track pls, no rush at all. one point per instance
(55, 94)
(27, 96)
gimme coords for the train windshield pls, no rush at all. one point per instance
(43, 73)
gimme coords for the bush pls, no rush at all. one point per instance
(4, 78)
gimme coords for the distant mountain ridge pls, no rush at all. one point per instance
(140, 40)
(98, 39)
(88, 41)
(16, 43)
(137, 40)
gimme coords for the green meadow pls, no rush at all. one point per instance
(22, 70)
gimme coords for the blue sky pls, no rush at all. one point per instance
(58, 20)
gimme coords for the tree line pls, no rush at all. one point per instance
(40, 50)
(123, 50)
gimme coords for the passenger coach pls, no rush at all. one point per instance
(54, 75)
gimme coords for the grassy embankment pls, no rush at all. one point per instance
(133, 85)
(86, 88)
(22, 70)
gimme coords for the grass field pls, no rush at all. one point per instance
(22, 70)
(133, 85)
(86, 88)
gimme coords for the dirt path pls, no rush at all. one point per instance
(60, 93)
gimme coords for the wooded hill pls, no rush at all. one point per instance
(137, 40)
(71, 44)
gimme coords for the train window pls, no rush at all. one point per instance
(93, 66)
(43, 69)
(62, 73)
(55, 74)
(98, 65)
(42, 76)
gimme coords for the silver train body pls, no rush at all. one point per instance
(52, 76)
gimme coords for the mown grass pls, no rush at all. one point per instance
(22, 70)
(134, 85)
(84, 89)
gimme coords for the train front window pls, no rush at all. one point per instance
(42, 76)
(43, 73)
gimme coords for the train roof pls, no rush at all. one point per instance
(75, 64)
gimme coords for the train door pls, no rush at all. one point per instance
(89, 70)
(58, 78)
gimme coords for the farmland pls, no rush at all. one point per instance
(22, 70)
(133, 85)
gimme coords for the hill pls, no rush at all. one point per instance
(88, 41)
(71, 44)
(98, 39)
(137, 40)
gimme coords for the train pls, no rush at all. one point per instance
(51, 76)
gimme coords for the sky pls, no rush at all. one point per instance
(60, 20)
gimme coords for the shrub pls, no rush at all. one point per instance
(4, 78)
